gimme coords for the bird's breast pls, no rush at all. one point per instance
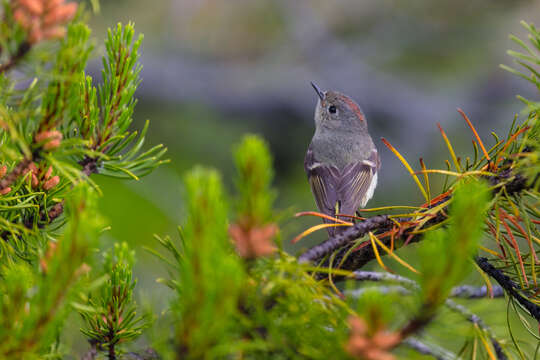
(341, 149)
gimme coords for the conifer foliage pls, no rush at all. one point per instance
(398, 282)
(57, 128)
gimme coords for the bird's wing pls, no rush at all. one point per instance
(357, 184)
(324, 180)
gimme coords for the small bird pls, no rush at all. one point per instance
(341, 161)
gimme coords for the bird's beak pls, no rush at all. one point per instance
(318, 91)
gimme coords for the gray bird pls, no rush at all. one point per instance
(341, 161)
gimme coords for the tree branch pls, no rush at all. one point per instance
(420, 321)
(381, 223)
(475, 319)
(17, 171)
(425, 349)
(463, 291)
(352, 233)
(22, 50)
(509, 286)
(473, 292)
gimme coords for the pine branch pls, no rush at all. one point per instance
(416, 324)
(463, 291)
(92, 353)
(358, 230)
(509, 286)
(17, 171)
(22, 50)
(476, 320)
(89, 166)
(381, 223)
(473, 292)
(426, 349)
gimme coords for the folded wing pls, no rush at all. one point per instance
(341, 191)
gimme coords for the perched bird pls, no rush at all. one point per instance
(341, 161)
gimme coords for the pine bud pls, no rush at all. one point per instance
(253, 242)
(56, 32)
(35, 181)
(35, 7)
(52, 182)
(60, 14)
(51, 139)
(48, 173)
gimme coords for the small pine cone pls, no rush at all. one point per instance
(32, 167)
(35, 35)
(358, 325)
(48, 173)
(386, 340)
(378, 354)
(23, 18)
(35, 181)
(51, 4)
(253, 242)
(53, 144)
(34, 7)
(56, 32)
(5, 190)
(60, 14)
(44, 266)
(3, 171)
(51, 139)
(52, 182)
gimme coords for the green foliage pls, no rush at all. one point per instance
(110, 315)
(35, 298)
(290, 315)
(106, 112)
(67, 72)
(263, 309)
(453, 247)
(255, 173)
(529, 62)
(376, 308)
(49, 147)
(210, 276)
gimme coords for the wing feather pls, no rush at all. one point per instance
(350, 187)
(323, 179)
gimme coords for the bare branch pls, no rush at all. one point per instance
(509, 286)
(429, 350)
(474, 292)
(22, 50)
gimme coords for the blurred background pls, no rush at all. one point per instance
(215, 70)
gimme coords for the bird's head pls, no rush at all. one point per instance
(336, 111)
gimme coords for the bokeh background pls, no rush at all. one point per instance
(215, 70)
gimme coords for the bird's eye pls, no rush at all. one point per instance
(332, 109)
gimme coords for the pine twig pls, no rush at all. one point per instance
(17, 171)
(426, 349)
(474, 292)
(476, 320)
(382, 223)
(463, 291)
(509, 286)
(419, 322)
(22, 50)
(354, 232)
(89, 166)
(92, 353)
